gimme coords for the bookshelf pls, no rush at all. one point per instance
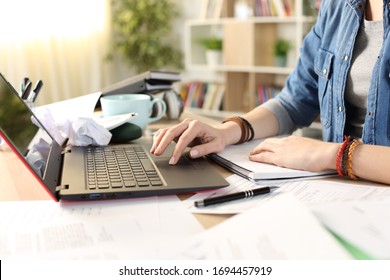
(247, 55)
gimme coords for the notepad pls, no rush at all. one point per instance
(235, 158)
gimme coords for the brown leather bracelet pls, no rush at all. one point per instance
(240, 122)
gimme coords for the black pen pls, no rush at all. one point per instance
(234, 196)
(36, 90)
(26, 90)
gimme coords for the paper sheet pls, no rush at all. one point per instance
(308, 191)
(121, 229)
(282, 228)
(82, 106)
(364, 224)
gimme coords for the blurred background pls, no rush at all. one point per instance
(76, 46)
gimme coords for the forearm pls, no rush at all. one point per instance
(372, 163)
(264, 124)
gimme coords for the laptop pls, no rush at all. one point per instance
(81, 173)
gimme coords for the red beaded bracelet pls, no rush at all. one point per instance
(340, 156)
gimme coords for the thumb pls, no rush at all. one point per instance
(205, 149)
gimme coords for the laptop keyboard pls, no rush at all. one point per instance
(120, 167)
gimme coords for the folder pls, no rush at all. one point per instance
(150, 81)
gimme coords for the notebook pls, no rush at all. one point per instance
(64, 173)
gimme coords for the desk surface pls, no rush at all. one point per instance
(17, 183)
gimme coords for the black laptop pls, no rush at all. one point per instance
(90, 173)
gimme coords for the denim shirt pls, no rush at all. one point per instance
(318, 82)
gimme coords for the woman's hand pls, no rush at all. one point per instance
(203, 139)
(297, 153)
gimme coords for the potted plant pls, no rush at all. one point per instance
(213, 46)
(281, 48)
(140, 34)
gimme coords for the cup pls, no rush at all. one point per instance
(141, 104)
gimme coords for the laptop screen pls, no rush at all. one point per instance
(16, 124)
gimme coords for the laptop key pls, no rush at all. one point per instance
(103, 186)
(129, 183)
(116, 185)
(147, 165)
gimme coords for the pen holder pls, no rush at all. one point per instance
(30, 104)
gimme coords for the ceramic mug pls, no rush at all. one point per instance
(141, 104)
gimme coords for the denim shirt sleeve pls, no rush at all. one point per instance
(299, 97)
(286, 125)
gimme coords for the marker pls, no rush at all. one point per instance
(36, 90)
(26, 90)
(234, 196)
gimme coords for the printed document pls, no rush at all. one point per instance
(282, 228)
(310, 192)
(139, 228)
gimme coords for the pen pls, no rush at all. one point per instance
(234, 196)
(36, 90)
(26, 90)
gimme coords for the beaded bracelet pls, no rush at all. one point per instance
(339, 157)
(351, 150)
(344, 159)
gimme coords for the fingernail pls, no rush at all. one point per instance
(172, 161)
(194, 153)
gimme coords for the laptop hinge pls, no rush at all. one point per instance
(66, 150)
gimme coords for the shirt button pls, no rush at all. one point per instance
(340, 109)
(324, 71)
(369, 114)
(346, 57)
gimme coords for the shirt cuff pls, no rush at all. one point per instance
(286, 125)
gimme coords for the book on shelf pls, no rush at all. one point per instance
(265, 93)
(235, 158)
(276, 8)
(208, 96)
(149, 81)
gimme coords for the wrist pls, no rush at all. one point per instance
(246, 130)
(230, 132)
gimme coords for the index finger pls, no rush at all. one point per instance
(166, 136)
(193, 131)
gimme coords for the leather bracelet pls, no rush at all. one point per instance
(250, 127)
(242, 125)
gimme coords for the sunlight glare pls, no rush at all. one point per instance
(26, 20)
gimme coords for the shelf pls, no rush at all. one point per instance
(246, 69)
(260, 20)
(248, 62)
